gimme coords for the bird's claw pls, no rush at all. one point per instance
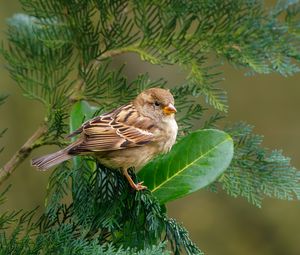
(139, 186)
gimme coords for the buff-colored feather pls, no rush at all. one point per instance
(128, 136)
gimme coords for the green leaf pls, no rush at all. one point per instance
(81, 111)
(193, 163)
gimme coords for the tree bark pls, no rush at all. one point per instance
(22, 154)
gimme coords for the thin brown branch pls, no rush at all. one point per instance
(112, 53)
(22, 153)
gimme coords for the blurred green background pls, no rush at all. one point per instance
(219, 224)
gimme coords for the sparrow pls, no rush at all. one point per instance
(126, 137)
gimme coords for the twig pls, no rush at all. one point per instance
(112, 53)
(22, 153)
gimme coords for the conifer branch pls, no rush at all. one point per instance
(112, 53)
(93, 65)
(22, 153)
(56, 39)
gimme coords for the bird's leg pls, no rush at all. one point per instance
(137, 186)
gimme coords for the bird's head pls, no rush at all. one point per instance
(156, 103)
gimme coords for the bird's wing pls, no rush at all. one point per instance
(120, 129)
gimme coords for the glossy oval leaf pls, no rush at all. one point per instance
(81, 111)
(193, 163)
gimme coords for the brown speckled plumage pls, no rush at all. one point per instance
(128, 136)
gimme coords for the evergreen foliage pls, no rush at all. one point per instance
(60, 53)
(256, 172)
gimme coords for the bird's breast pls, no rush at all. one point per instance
(168, 135)
(135, 157)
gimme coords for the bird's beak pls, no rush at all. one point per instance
(169, 109)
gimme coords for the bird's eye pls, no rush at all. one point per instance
(157, 103)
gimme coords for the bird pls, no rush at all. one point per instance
(128, 136)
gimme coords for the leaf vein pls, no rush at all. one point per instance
(188, 165)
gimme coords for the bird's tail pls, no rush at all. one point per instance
(45, 162)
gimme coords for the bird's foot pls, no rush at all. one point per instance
(139, 186)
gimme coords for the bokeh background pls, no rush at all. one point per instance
(219, 224)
